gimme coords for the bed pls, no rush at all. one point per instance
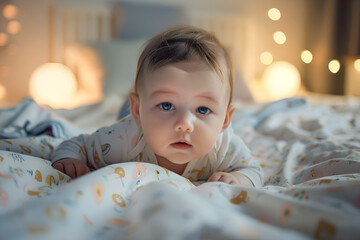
(308, 147)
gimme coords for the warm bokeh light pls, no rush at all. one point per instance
(13, 27)
(10, 11)
(53, 84)
(266, 58)
(306, 56)
(357, 65)
(12, 48)
(279, 37)
(4, 71)
(334, 66)
(274, 14)
(2, 92)
(281, 80)
(4, 38)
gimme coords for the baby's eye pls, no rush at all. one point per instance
(203, 110)
(166, 106)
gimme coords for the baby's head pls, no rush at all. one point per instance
(185, 43)
(182, 93)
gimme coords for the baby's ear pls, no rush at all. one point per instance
(229, 112)
(135, 107)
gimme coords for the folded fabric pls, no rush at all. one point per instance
(282, 105)
(28, 119)
(51, 128)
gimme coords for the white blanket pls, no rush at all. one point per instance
(310, 157)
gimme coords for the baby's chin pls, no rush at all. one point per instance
(181, 153)
(178, 159)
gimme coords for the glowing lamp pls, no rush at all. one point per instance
(2, 92)
(53, 84)
(357, 65)
(281, 80)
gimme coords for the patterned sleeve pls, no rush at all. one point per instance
(106, 146)
(236, 157)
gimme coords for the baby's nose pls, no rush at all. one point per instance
(184, 123)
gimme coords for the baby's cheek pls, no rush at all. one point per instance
(207, 141)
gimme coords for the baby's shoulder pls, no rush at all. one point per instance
(128, 121)
(228, 137)
(225, 135)
(126, 124)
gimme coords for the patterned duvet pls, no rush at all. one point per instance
(310, 156)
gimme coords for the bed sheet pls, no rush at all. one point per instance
(310, 155)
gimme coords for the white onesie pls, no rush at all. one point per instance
(124, 142)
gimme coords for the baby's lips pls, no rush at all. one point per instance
(181, 145)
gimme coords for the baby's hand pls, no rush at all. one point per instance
(232, 178)
(72, 167)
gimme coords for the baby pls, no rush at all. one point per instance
(180, 116)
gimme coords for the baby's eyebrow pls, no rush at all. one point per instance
(208, 96)
(162, 91)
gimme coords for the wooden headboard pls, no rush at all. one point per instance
(74, 21)
(82, 21)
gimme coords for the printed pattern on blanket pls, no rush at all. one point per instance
(293, 147)
(145, 201)
(40, 146)
(310, 157)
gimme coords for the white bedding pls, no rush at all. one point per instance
(310, 156)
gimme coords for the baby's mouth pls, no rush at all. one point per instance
(181, 145)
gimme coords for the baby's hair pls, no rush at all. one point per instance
(183, 43)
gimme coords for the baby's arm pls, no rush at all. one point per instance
(72, 167)
(233, 178)
(237, 165)
(76, 156)
(108, 145)
(71, 156)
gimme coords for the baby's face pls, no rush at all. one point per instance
(183, 107)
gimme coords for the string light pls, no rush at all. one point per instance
(13, 27)
(274, 14)
(266, 58)
(10, 11)
(279, 37)
(306, 56)
(334, 66)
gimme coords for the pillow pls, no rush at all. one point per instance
(242, 91)
(111, 66)
(118, 60)
(108, 67)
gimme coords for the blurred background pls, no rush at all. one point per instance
(317, 41)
